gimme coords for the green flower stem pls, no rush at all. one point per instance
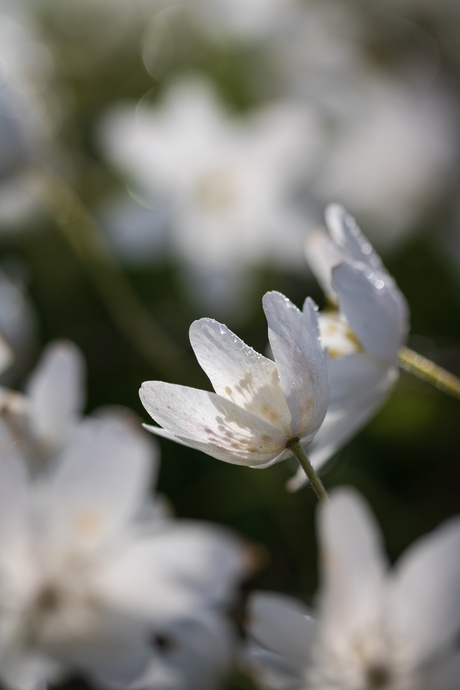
(428, 371)
(306, 465)
(88, 243)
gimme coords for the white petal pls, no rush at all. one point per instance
(210, 423)
(347, 235)
(198, 651)
(178, 569)
(374, 309)
(25, 669)
(425, 594)
(111, 647)
(302, 364)
(56, 393)
(99, 482)
(355, 380)
(322, 256)
(282, 625)
(272, 670)
(353, 567)
(239, 373)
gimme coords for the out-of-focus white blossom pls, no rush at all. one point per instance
(94, 577)
(391, 155)
(389, 138)
(44, 419)
(227, 181)
(28, 108)
(362, 332)
(258, 405)
(376, 627)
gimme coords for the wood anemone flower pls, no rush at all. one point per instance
(259, 406)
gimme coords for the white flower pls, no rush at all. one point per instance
(258, 405)
(92, 577)
(378, 627)
(44, 419)
(225, 181)
(363, 332)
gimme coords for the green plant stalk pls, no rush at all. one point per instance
(428, 371)
(306, 465)
(88, 243)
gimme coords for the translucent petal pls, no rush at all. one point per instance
(349, 238)
(98, 483)
(353, 567)
(240, 374)
(56, 394)
(374, 309)
(176, 569)
(322, 256)
(213, 424)
(425, 593)
(301, 362)
(282, 625)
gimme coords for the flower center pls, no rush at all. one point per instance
(215, 192)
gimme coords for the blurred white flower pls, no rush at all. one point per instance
(389, 134)
(392, 153)
(94, 577)
(44, 419)
(191, 654)
(363, 332)
(86, 582)
(259, 405)
(28, 109)
(227, 181)
(377, 627)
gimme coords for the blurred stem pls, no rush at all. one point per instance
(88, 243)
(428, 371)
(315, 481)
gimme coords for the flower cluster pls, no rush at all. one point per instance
(98, 579)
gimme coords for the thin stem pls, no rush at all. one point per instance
(88, 243)
(315, 481)
(428, 371)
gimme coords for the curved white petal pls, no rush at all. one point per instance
(425, 593)
(302, 364)
(24, 669)
(99, 482)
(272, 670)
(374, 308)
(178, 569)
(56, 394)
(347, 235)
(356, 379)
(239, 373)
(282, 625)
(213, 424)
(197, 652)
(353, 567)
(322, 256)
